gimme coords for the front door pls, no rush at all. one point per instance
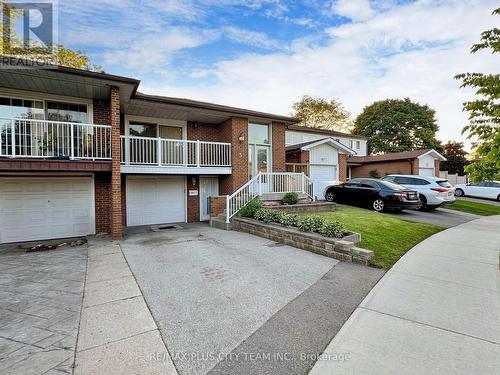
(209, 187)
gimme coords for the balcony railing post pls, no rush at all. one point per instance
(198, 158)
(303, 183)
(259, 180)
(227, 208)
(72, 142)
(158, 151)
(13, 137)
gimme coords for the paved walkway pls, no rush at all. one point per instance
(40, 303)
(437, 311)
(117, 332)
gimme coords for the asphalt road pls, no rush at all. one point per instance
(480, 200)
(441, 216)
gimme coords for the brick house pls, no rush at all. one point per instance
(84, 152)
(330, 157)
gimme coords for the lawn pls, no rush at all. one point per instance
(482, 209)
(388, 237)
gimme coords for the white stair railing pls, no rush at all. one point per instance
(266, 183)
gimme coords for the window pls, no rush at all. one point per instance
(170, 132)
(258, 133)
(352, 184)
(358, 145)
(369, 184)
(351, 144)
(138, 129)
(67, 112)
(482, 184)
(493, 184)
(21, 108)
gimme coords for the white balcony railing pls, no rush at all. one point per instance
(174, 152)
(53, 139)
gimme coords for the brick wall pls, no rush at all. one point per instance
(101, 112)
(384, 168)
(116, 195)
(342, 167)
(203, 132)
(437, 165)
(217, 205)
(278, 145)
(230, 132)
(102, 187)
(193, 203)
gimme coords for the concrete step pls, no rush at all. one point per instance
(220, 223)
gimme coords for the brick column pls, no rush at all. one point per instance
(116, 188)
(342, 167)
(231, 130)
(278, 134)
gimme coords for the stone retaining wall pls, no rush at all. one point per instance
(338, 248)
(306, 207)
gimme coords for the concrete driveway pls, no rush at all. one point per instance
(218, 296)
(441, 217)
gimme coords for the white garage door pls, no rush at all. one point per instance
(429, 172)
(45, 208)
(322, 176)
(155, 200)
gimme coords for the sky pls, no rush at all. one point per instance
(267, 54)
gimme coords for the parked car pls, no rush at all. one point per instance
(433, 192)
(485, 189)
(377, 194)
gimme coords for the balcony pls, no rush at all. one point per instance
(174, 156)
(30, 138)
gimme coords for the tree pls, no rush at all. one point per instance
(484, 112)
(65, 56)
(395, 125)
(322, 114)
(455, 155)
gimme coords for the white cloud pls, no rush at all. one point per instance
(356, 10)
(409, 51)
(251, 38)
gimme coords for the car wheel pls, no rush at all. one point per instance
(378, 205)
(330, 197)
(423, 203)
(459, 193)
(498, 198)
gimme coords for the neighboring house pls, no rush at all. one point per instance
(84, 153)
(419, 162)
(330, 157)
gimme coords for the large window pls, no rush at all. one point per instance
(67, 112)
(21, 108)
(258, 134)
(142, 129)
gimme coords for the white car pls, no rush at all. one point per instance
(485, 189)
(433, 192)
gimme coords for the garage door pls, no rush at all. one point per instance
(322, 176)
(429, 172)
(45, 208)
(155, 200)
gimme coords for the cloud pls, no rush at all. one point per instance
(356, 10)
(411, 50)
(251, 38)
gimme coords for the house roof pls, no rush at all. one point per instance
(308, 145)
(395, 156)
(326, 132)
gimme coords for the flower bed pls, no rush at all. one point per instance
(339, 248)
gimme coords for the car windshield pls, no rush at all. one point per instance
(391, 185)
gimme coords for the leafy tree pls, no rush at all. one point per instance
(396, 125)
(65, 56)
(484, 112)
(322, 114)
(455, 155)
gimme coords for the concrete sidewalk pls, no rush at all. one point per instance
(437, 311)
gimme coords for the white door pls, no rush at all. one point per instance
(322, 176)
(209, 187)
(429, 172)
(45, 208)
(155, 200)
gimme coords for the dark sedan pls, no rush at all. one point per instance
(377, 194)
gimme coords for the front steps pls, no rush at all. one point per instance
(219, 222)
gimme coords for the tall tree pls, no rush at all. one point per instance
(455, 155)
(322, 114)
(484, 112)
(395, 125)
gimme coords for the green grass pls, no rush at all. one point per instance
(388, 237)
(482, 209)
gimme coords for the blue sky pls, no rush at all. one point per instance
(266, 54)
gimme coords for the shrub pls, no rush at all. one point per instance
(251, 207)
(263, 214)
(332, 229)
(290, 198)
(290, 220)
(310, 223)
(374, 173)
